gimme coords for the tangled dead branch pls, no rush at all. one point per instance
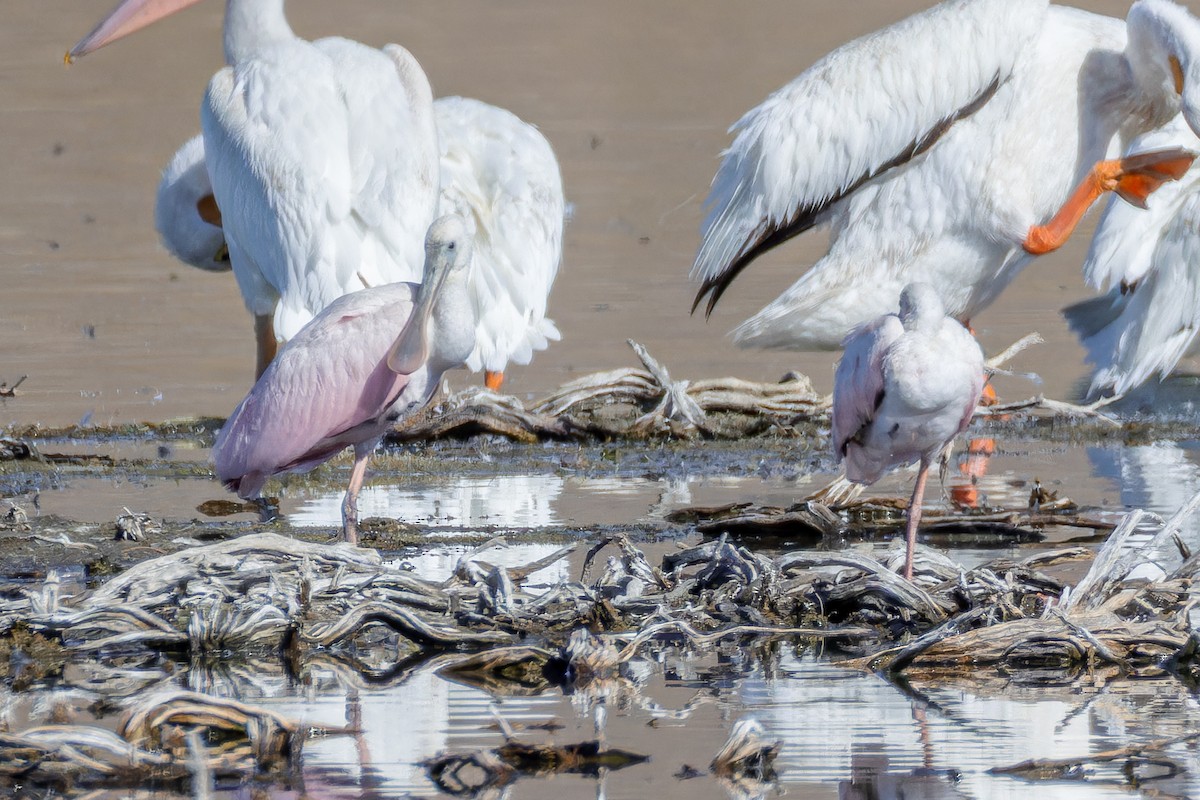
(628, 403)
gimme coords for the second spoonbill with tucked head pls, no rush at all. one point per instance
(907, 384)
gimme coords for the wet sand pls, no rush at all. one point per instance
(635, 97)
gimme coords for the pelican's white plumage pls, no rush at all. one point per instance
(323, 159)
(184, 231)
(1149, 317)
(907, 384)
(500, 173)
(932, 147)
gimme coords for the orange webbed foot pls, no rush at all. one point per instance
(1133, 178)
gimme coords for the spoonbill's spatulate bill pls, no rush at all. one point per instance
(936, 149)
(323, 159)
(370, 359)
(497, 172)
(907, 384)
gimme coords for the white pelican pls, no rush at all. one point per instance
(935, 148)
(1149, 317)
(369, 359)
(185, 211)
(907, 385)
(498, 172)
(323, 159)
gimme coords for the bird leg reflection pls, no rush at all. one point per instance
(1134, 178)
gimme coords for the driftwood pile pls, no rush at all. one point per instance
(628, 404)
(647, 403)
(269, 596)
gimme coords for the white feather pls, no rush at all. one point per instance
(500, 173)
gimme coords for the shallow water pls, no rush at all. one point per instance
(844, 733)
(636, 98)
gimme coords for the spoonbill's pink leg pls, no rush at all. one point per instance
(493, 380)
(914, 518)
(362, 452)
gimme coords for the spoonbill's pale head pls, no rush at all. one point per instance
(921, 307)
(447, 255)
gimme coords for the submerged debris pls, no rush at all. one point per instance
(747, 758)
(469, 773)
(151, 742)
(11, 391)
(133, 527)
(278, 598)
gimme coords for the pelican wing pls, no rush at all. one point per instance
(1124, 246)
(324, 171)
(500, 174)
(867, 107)
(858, 383)
(1144, 328)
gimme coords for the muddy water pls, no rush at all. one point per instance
(634, 96)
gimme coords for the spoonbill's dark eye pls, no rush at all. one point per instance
(452, 246)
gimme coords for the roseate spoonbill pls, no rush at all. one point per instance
(1149, 317)
(907, 384)
(933, 148)
(323, 159)
(497, 171)
(368, 360)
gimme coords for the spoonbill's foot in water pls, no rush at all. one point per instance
(350, 504)
(1134, 178)
(268, 508)
(493, 380)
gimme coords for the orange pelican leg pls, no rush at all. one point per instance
(493, 380)
(914, 518)
(264, 335)
(1134, 178)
